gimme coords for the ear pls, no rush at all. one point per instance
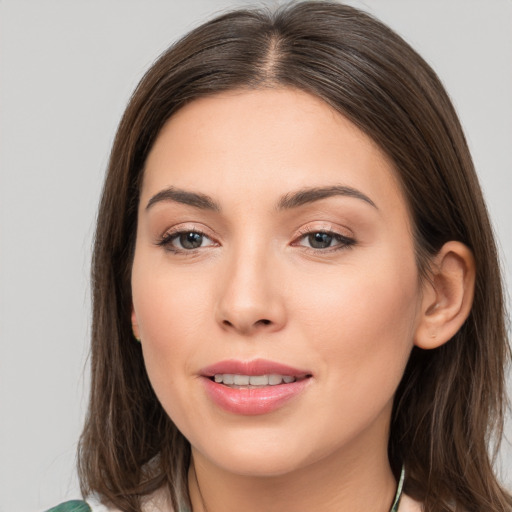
(447, 296)
(135, 325)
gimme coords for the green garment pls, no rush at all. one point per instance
(71, 506)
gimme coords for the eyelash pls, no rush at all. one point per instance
(167, 239)
(343, 242)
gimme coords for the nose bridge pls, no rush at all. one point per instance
(249, 297)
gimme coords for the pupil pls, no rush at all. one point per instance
(320, 240)
(191, 240)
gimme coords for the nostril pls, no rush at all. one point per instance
(241, 326)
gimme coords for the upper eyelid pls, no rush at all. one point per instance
(305, 230)
(324, 227)
(187, 228)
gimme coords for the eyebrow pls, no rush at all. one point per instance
(287, 202)
(310, 195)
(195, 199)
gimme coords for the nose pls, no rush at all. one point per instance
(250, 298)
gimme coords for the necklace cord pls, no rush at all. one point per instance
(399, 490)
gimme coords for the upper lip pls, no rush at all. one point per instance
(254, 367)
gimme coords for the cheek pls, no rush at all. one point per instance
(170, 314)
(363, 317)
(168, 304)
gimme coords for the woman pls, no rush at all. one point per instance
(297, 299)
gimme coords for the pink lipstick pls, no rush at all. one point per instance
(253, 387)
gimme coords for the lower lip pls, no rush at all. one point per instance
(253, 401)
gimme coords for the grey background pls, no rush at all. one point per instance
(67, 70)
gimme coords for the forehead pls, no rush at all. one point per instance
(257, 143)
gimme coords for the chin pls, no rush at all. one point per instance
(257, 464)
(249, 452)
(262, 453)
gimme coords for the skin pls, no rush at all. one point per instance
(255, 288)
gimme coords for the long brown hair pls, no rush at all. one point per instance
(448, 409)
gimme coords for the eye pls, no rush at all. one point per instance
(319, 240)
(185, 241)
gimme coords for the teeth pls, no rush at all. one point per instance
(253, 380)
(274, 379)
(228, 378)
(242, 380)
(258, 380)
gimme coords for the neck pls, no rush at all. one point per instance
(339, 482)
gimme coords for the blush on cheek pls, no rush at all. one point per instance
(168, 302)
(376, 317)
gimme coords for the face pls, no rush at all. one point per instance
(274, 281)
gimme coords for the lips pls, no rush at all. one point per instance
(273, 379)
(253, 387)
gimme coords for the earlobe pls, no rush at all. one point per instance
(447, 295)
(135, 325)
